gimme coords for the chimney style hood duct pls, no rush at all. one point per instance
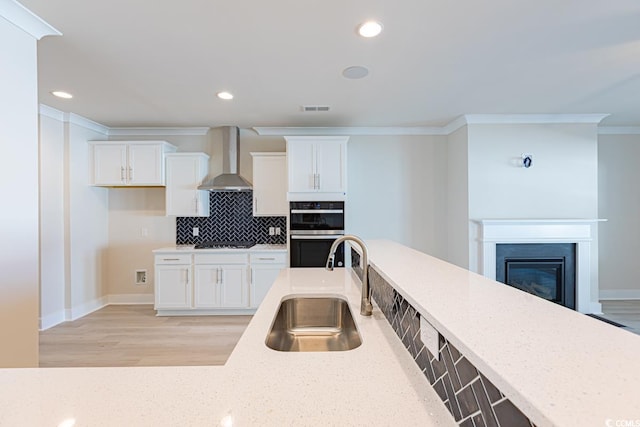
(229, 179)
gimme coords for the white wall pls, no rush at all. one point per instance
(396, 190)
(562, 183)
(87, 226)
(74, 220)
(19, 190)
(52, 220)
(619, 203)
(457, 184)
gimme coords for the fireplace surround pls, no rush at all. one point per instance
(580, 232)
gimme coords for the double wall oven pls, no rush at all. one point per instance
(313, 227)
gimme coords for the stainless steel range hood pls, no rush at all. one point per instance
(229, 179)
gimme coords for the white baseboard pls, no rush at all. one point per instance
(619, 294)
(126, 299)
(85, 308)
(51, 320)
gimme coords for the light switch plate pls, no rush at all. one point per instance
(196, 231)
(430, 337)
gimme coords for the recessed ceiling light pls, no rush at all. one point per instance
(355, 72)
(225, 95)
(370, 29)
(62, 94)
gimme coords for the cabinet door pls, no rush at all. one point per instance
(183, 175)
(262, 277)
(110, 164)
(330, 160)
(301, 163)
(234, 287)
(207, 286)
(145, 164)
(172, 286)
(270, 185)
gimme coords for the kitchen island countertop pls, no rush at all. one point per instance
(377, 383)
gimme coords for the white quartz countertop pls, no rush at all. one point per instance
(191, 248)
(377, 383)
(560, 367)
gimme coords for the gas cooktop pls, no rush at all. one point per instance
(214, 244)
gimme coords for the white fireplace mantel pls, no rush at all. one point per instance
(578, 231)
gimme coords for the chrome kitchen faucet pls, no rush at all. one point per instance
(365, 301)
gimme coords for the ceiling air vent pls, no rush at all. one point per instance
(314, 108)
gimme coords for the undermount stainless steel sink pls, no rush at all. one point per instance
(312, 323)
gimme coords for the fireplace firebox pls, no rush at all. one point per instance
(546, 270)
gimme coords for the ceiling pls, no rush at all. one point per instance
(161, 63)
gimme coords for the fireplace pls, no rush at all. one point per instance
(578, 232)
(544, 270)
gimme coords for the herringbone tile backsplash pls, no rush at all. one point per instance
(470, 397)
(231, 220)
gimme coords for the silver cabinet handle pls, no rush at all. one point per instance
(318, 181)
(315, 237)
(122, 173)
(317, 211)
(250, 276)
(171, 259)
(267, 259)
(219, 276)
(255, 204)
(187, 271)
(130, 174)
(196, 199)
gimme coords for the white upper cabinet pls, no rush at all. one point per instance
(270, 184)
(185, 172)
(317, 168)
(129, 163)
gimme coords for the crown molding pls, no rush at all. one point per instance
(86, 123)
(26, 20)
(523, 119)
(452, 126)
(51, 112)
(619, 130)
(351, 131)
(457, 123)
(72, 118)
(158, 131)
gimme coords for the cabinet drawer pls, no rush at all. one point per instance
(173, 259)
(221, 258)
(268, 258)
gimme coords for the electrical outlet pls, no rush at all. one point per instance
(430, 337)
(196, 231)
(272, 231)
(277, 231)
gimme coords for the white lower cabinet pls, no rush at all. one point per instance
(173, 282)
(221, 280)
(207, 283)
(220, 286)
(265, 267)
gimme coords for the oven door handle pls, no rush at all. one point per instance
(315, 236)
(317, 211)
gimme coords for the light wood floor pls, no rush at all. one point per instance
(132, 335)
(625, 312)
